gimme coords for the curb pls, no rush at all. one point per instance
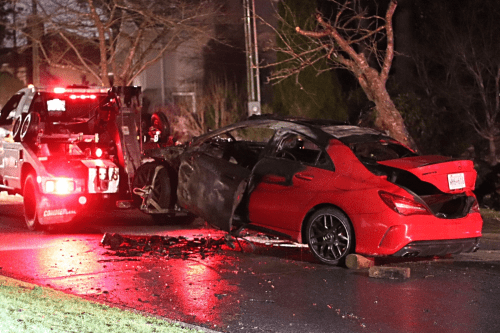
(491, 236)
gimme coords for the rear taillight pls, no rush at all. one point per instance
(403, 205)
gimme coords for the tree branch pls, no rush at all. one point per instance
(389, 52)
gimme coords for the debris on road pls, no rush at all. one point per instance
(165, 246)
(385, 272)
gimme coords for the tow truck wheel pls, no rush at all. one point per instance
(30, 126)
(31, 198)
(16, 130)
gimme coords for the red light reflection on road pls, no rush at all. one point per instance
(201, 291)
(192, 289)
(72, 264)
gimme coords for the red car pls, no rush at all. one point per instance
(339, 188)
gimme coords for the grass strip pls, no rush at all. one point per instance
(29, 308)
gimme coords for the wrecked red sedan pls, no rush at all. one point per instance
(339, 188)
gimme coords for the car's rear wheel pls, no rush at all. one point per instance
(31, 198)
(329, 235)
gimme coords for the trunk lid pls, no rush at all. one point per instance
(449, 175)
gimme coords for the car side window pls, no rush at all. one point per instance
(241, 146)
(297, 147)
(257, 135)
(215, 146)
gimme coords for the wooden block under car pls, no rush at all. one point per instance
(356, 261)
(393, 273)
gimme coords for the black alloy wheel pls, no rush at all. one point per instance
(330, 236)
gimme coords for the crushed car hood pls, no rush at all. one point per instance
(449, 175)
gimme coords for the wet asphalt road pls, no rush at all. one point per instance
(268, 288)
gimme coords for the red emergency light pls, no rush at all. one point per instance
(82, 96)
(81, 92)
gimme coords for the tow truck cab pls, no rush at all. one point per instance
(69, 151)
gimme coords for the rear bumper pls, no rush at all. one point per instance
(395, 234)
(54, 209)
(438, 247)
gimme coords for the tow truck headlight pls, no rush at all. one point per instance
(60, 186)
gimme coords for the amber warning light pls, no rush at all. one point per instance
(60, 186)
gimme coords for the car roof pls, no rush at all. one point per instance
(321, 130)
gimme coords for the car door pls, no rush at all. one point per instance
(211, 182)
(285, 182)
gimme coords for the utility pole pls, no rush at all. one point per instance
(252, 57)
(34, 44)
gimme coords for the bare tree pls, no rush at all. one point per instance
(463, 73)
(355, 40)
(123, 37)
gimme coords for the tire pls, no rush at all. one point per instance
(31, 199)
(164, 125)
(330, 236)
(16, 129)
(30, 127)
(162, 189)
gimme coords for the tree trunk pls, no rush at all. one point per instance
(387, 117)
(371, 79)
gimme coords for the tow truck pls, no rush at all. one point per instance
(70, 151)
